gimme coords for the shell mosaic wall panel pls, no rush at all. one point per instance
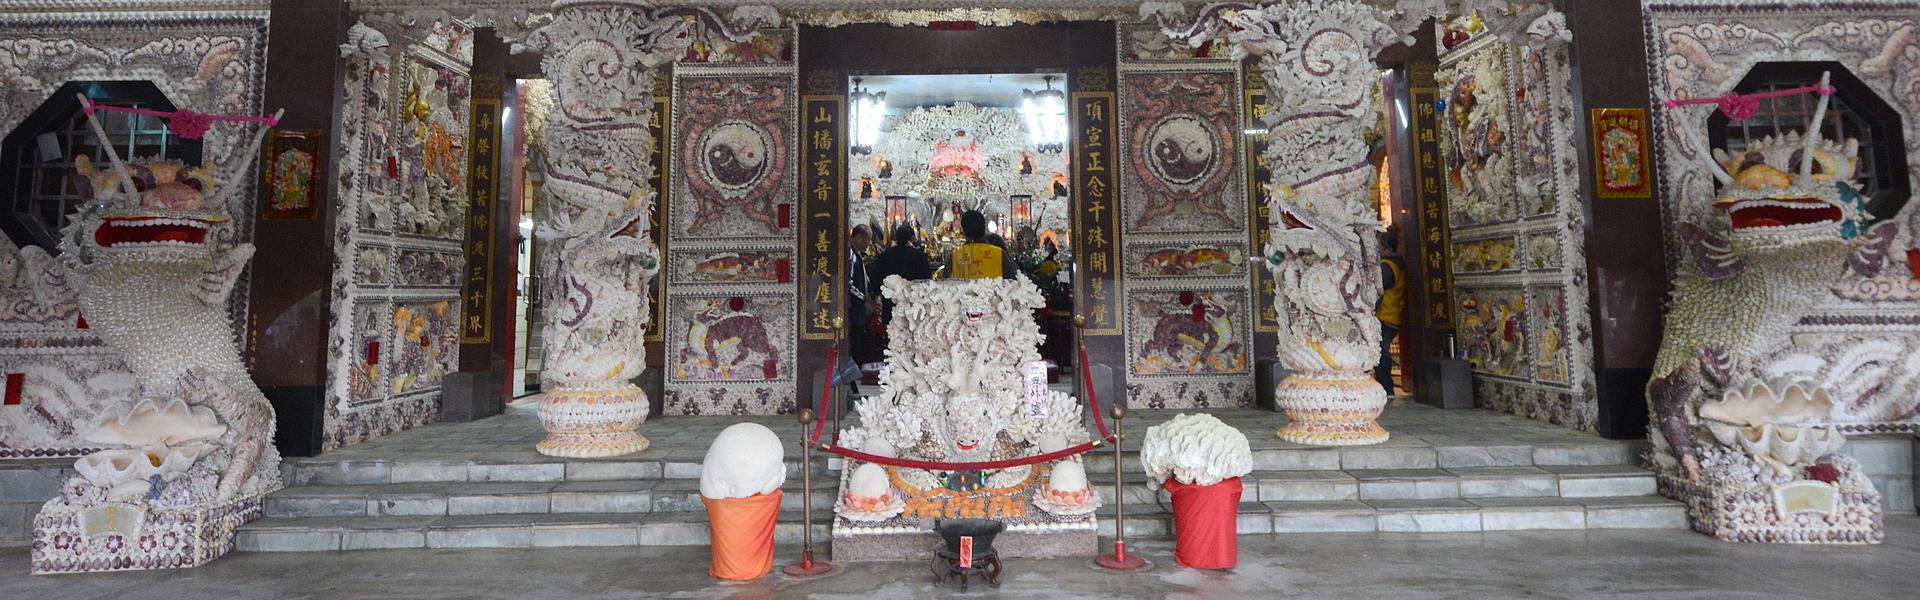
(403, 196)
(732, 309)
(1863, 343)
(1189, 315)
(1517, 228)
(58, 376)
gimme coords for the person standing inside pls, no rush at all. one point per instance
(1393, 304)
(903, 258)
(859, 241)
(979, 258)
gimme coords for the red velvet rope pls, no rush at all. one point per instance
(962, 466)
(819, 427)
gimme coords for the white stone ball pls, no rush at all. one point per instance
(868, 481)
(746, 459)
(1050, 442)
(1068, 477)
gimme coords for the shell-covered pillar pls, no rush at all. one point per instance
(601, 57)
(1322, 251)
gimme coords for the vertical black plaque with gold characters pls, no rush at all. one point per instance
(1265, 319)
(1097, 222)
(822, 184)
(483, 141)
(661, 126)
(1430, 194)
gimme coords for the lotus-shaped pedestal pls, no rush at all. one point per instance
(1067, 493)
(869, 496)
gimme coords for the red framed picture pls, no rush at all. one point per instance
(292, 168)
(1620, 153)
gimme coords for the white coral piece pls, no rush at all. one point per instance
(1785, 421)
(746, 459)
(1195, 449)
(153, 423)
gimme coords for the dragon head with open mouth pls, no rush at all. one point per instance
(168, 219)
(1771, 206)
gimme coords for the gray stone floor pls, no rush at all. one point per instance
(1612, 564)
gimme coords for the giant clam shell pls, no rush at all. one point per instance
(107, 468)
(156, 423)
(1786, 421)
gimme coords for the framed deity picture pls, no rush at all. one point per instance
(292, 169)
(1620, 153)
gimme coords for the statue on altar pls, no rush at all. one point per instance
(963, 384)
(958, 155)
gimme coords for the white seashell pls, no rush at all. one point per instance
(868, 481)
(112, 467)
(156, 423)
(130, 491)
(109, 467)
(1195, 449)
(1786, 421)
(1068, 476)
(746, 459)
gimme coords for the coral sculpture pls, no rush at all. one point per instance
(1765, 471)
(1195, 449)
(153, 260)
(746, 459)
(952, 391)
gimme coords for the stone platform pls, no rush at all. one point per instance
(481, 484)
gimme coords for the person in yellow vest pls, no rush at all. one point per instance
(979, 258)
(1393, 304)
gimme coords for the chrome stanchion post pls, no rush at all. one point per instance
(807, 567)
(1119, 560)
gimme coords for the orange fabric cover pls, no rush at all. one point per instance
(742, 535)
(1206, 523)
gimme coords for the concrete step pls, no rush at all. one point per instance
(16, 522)
(314, 534)
(533, 468)
(1467, 483)
(685, 464)
(1425, 516)
(503, 498)
(307, 534)
(25, 485)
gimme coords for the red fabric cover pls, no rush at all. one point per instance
(742, 535)
(1206, 524)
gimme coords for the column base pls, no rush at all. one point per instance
(1331, 409)
(593, 423)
